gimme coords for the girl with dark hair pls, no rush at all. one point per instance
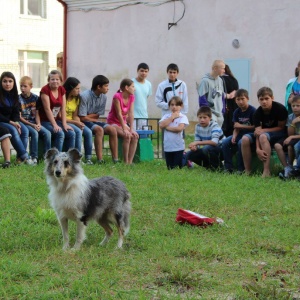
(230, 86)
(10, 116)
(72, 87)
(120, 113)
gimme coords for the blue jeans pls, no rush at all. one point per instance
(229, 149)
(87, 140)
(34, 140)
(61, 136)
(19, 141)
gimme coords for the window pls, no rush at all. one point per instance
(33, 8)
(34, 64)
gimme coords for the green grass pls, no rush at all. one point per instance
(255, 255)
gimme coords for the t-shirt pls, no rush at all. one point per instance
(141, 94)
(277, 113)
(55, 103)
(71, 106)
(91, 103)
(173, 141)
(28, 107)
(244, 117)
(291, 117)
(112, 117)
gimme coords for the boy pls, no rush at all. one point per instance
(291, 143)
(205, 150)
(170, 88)
(269, 122)
(91, 107)
(242, 123)
(174, 123)
(30, 118)
(143, 89)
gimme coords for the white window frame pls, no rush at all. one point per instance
(24, 9)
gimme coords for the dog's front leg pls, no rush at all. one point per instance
(80, 235)
(65, 232)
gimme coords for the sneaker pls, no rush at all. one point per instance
(294, 172)
(228, 171)
(190, 164)
(89, 162)
(100, 162)
(281, 176)
(29, 161)
(35, 161)
(6, 165)
(116, 161)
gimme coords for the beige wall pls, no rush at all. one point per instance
(114, 42)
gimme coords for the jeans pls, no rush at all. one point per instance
(208, 156)
(61, 136)
(19, 141)
(229, 149)
(34, 140)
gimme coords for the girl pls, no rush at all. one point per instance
(10, 116)
(120, 113)
(72, 87)
(54, 102)
(174, 123)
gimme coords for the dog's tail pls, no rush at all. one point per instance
(126, 214)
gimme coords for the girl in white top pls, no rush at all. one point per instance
(173, 124)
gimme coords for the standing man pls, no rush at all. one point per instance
(143, 89)
(211, 91)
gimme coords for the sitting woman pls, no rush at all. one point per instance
(5, 146)
(72, 87)
(122, 111)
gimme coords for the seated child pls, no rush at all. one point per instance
(292, 141)
(5, 146)
(243, 123)
(174, 124)
(269, 122)
(29, 117)
(206, 149)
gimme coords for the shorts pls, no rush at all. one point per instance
(273, 137)
(92, 125)
(293, 142)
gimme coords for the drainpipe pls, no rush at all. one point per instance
(64, 4)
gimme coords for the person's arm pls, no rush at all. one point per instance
(202, 143)
(234, 135)
(281, 125)
(64, 115)
(238, 125)
(185, 100)
(75, 119)
(178, 128)
(46, 105)
(159, 98)
(166, 122)
(203, 91)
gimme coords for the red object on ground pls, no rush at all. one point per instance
(187, 216)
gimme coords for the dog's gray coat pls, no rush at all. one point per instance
(74, 197)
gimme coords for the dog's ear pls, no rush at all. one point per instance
(75, 154)
(51, 153)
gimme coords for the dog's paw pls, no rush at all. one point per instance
(66, 247)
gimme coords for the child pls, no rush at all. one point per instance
(143, 89)
(53, 112)
(30, 118)
(206, 150)
(5, 146)
(292, 141)
(269, 122)
(170, 88)
(174, 123)
(91, 107)
(10, 116)
(242, 123)
(72, 87)
(122, 111)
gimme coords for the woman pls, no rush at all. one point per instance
(53, 100)
(292, 89)
(122, 111)
(72, 87)
(10, 117)
(230, 86)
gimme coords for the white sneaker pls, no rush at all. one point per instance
(29, 161)
(287, 171)
(35, 161)
(89, 162)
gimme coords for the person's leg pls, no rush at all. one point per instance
(198, 157)
(213, 154)
(24, 135)
(58, 137)
(227, 149)
(178, 159)
(78, 136)
(168, 158)
(240, 162)
(113, 140)
(247, 140)
(280, 153)
(45, 135)
(16, 141)
(5, 147)
(34, 140)
(266, 147)
(69, 141)
(87, 142)
(132, 148)
(98, 141)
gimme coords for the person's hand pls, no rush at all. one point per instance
(193, 146)
(287, 140)
(233, 140)
(37, 127)
(175, 115)
(261, 154)
(258, 132)
(56, 128)
(68, 127)
(134, 133)
(296, 120)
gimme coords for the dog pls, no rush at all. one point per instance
(74, 197)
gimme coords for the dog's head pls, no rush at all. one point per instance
(62, 164)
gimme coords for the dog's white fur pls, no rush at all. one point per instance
(74, 197)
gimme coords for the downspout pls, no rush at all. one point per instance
(64, 4)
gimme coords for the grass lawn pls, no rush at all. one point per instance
(255, 255)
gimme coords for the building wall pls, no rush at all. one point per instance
(30, 33)
(114, 42)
